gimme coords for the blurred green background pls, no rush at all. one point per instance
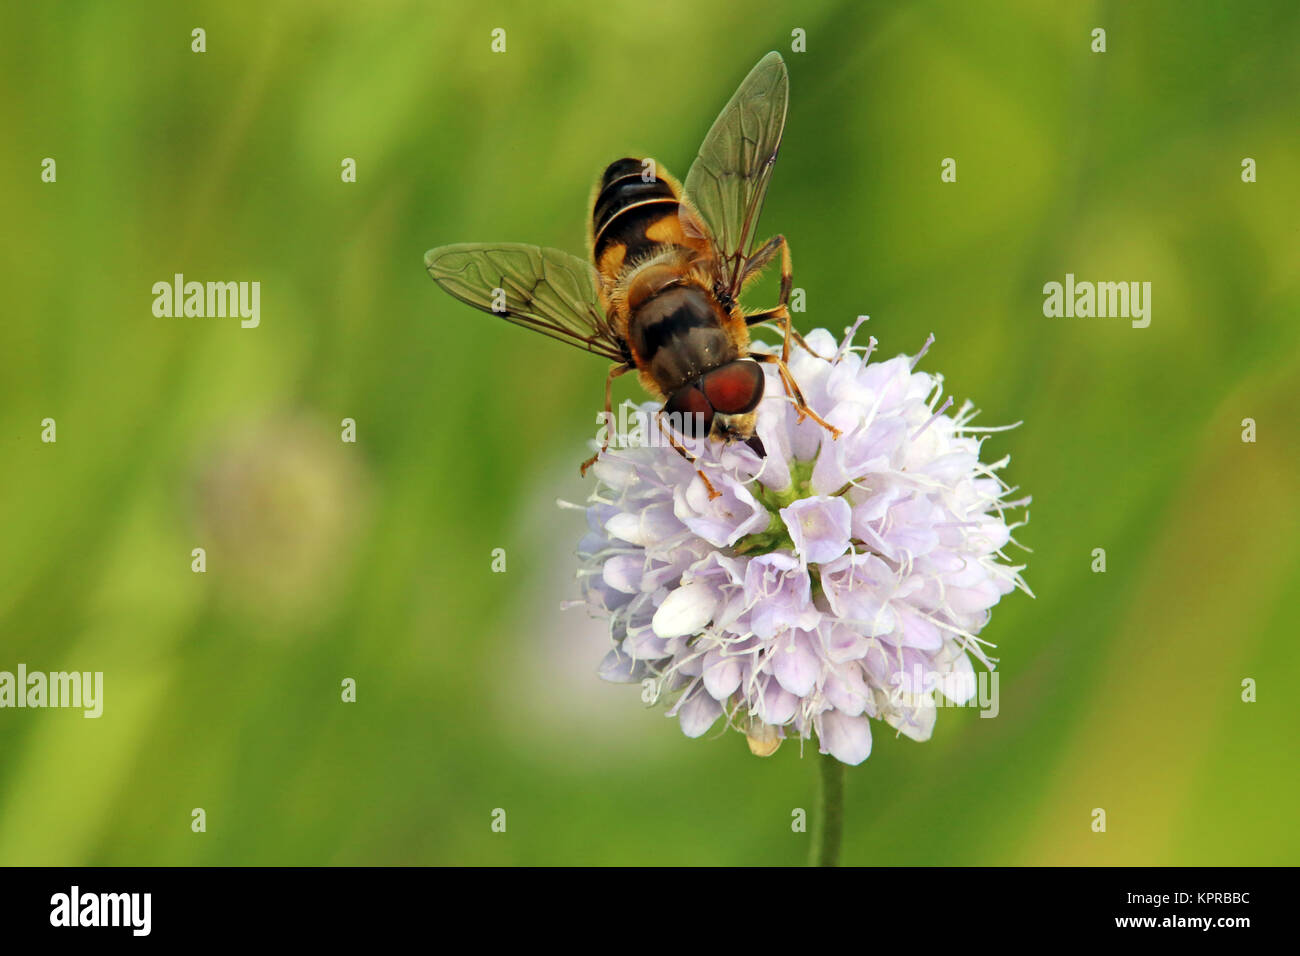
(372, 560)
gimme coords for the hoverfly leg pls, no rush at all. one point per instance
(780, 314)
(614, 372)
(792, 389)
(681, 450)
(783, 303)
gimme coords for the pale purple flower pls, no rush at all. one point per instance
(827, 584)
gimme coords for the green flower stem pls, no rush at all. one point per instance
(829, 825)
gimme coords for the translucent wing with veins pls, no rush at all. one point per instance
(728, 180)
(546, 290)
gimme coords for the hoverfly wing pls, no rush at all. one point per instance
(728, 180)
(546, 290)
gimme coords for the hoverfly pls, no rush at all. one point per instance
(668, 265)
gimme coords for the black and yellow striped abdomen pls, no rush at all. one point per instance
(632, 214)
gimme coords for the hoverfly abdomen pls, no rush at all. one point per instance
(632, 216)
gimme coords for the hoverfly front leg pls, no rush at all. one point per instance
(781, 313)
(681, 450)
(614, 372)
(792, 389)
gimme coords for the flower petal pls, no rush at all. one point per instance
(698, 713)
(721, 674)
(847, 739)
(819, 527)
(619, 668)
(685, 611)
(794, 664)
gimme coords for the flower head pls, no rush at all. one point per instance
(827, 583)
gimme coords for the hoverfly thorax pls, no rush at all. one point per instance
(678, 335)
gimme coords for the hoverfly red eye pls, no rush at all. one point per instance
(689, 412)
(735, 388)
